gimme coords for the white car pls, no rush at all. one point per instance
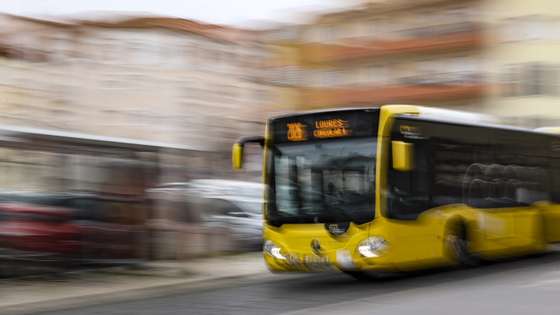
(235, 205)
(242, 218)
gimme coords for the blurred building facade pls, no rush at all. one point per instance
(146, 78)
(488, 56)
(185, 88)
(524, 59)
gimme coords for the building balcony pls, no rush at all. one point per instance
(418, 94)
(415, 42)
(19, 53)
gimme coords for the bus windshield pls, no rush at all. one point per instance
(329, 181)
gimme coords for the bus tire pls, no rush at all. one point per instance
(458, 246)
(541, 238)
(360, 275)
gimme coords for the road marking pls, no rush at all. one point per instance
(547, 279)
(542, 283)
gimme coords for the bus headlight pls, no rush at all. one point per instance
(372, 246)
(273, 250)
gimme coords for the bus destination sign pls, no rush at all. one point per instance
(331, 128)
(328, 125)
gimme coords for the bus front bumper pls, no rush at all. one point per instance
(340, 260)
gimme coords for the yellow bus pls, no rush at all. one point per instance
(402, 187)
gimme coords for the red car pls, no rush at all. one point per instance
(81, 226)
(38, 228)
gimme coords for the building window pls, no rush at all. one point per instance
(529, 28)
(530, 79)
(328, 33)
(378, 75)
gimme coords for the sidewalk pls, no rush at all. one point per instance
(25, 296)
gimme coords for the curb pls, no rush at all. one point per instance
(66, 303)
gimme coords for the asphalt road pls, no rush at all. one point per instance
(524, 286)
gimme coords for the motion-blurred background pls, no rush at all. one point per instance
(115, 128)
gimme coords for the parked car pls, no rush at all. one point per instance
(39, 229)
(242, 218)
(74, 225)
(232, 189)
(234, 205)
(110, 226)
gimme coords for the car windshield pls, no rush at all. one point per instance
(323, 182)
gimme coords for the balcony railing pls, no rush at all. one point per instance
(419, 94)
(414, 41)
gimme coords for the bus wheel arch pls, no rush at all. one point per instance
(457, 243)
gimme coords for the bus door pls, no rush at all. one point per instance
(412, 225)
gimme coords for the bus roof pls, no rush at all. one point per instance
(428, 112)
(449, 115)
(478, 124)
(553, 130)
(322, 111)
(434, 114)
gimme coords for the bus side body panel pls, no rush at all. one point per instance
(401, 236)
(488, 179)
(551, 216)
(551, 210)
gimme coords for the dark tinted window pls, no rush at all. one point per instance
(481, 167)
(409, 192)
(555, 179)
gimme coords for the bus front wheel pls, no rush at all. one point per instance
(371, 275)
(458, 246)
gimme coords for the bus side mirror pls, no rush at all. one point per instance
(237, 152)
(403, 156)
(237, 156)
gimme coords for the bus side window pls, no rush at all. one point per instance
(409, 192)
